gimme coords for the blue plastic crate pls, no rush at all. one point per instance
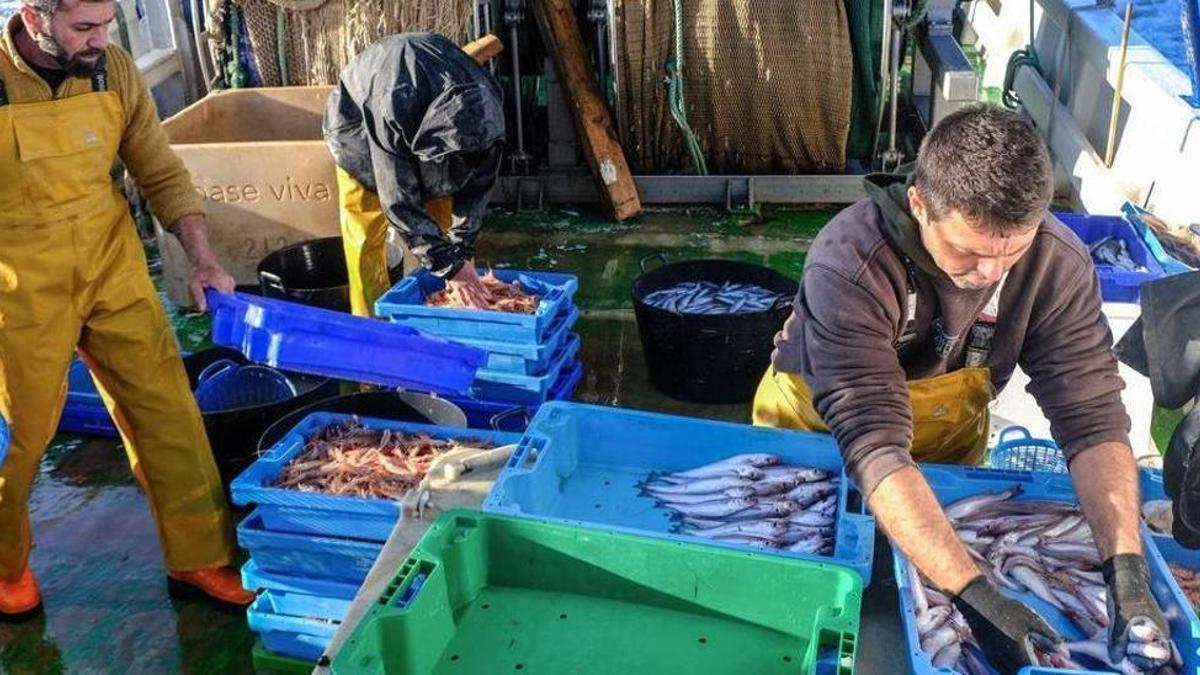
(405, 304)
(526, 359)
(315, 556)
(491, 385)
(1116, 284)
(256, 579)
(1017, 450)
(280, 619)
(951, 483)
(83, 411)
(284, 510)
(590, 459)
(322, 342)
(508, 417)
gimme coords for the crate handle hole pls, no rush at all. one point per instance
(703, 640)
(519, 666)
(787, 659)
(486, 606)
(562, 616)
(454, 657)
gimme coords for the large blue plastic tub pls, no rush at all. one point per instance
(526, 359)
(316, 341)
(492, 385)
(314, 556)
(284, 510)
(255, 578)
(951, 483)
(503, 416)
(287, 627)
(1116, 284)
(84, 412)
(405, 303)
(590, 459)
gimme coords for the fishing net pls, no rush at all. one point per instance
(791, 58)
(321, 36)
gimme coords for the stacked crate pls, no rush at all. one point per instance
(310, 552)
(532, 358)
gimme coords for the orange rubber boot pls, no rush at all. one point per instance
(20, 599)
(222, 584)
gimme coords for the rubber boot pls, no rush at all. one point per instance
(20, 600)
(221, 584)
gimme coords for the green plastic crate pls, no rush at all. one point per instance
(483, 593)
(270, 663)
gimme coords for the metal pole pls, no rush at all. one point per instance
(1116, 104)
(892, 157)
(514, 14)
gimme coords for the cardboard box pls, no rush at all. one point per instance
(258, 158)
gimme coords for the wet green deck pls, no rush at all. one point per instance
(96, 553)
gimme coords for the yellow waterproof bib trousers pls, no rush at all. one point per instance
(950, 412)
(66, 230)
(364, 237)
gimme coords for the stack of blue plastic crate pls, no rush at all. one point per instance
(532, 358)
(309, 552)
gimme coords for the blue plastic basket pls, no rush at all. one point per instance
(280, 619)
(951, 483)
(314, 556)
(225, 385)
(257, 579)
(405, 303)
(284, 510)
(492, 385)
(316, 341)
(1116, 284)
(503, 416)
(526, 359)
(1017, 450)
(590, 459)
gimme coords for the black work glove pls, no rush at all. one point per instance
(1136, 627)
(1004, 627)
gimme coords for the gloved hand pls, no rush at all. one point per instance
(1137, 629)
(1004, 627)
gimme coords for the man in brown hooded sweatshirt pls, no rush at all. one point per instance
(915, 307)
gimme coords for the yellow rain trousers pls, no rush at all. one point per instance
(66, 230)
(364, 237)
(950, 412)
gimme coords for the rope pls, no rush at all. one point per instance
(1019, 58)
(675, 98)
(281, 45)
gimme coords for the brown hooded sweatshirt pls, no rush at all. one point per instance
(845, 335)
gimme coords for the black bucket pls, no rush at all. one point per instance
(708, 358)
(234, 433)
(383, 404)
(313, 273)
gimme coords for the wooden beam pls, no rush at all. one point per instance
(601, 148)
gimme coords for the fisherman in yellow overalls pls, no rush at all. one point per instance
(915, 307)
(416, 128)
(70, 106)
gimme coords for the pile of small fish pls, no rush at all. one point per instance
(707, 297)
(353, 459)
(502, 297)
(1046, 549)
(752, 500)
(1115, 252)
(1189, 583)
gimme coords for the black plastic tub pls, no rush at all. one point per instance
(708, 358)
(313, 273)
(234, 433)
(382, 404)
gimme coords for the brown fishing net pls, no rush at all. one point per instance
(323, 35)
(767, 83)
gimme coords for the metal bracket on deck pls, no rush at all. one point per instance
(524, 194)
(739, 195)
